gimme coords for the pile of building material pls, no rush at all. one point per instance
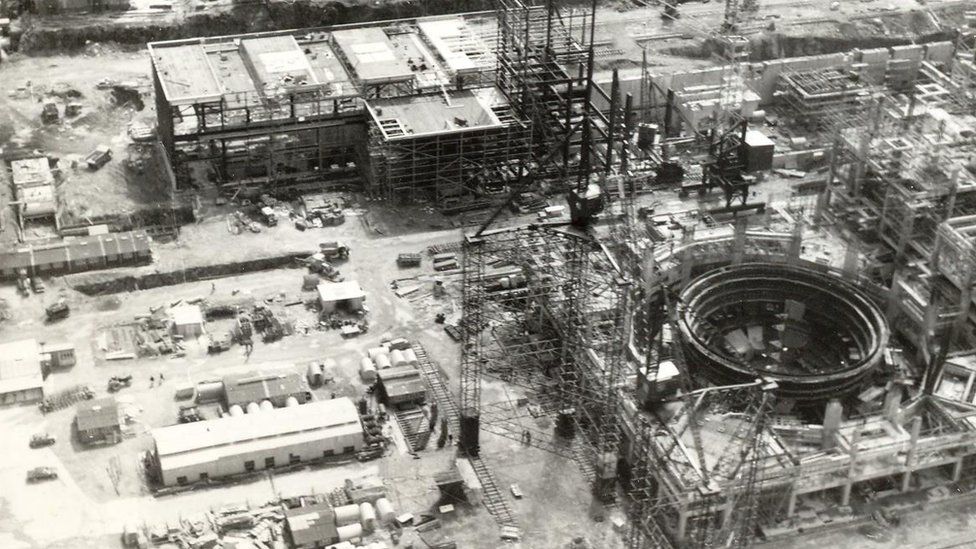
(67, 397)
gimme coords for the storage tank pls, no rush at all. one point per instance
(382, 361)
(291, 401)
(253, 407)
(411, 357)
(376, 351)
(384, 510)
(210, 391)
(347, 514)
(368, 515)
(266, 405)
(367, 370)
(236, 410)
(350, 531)
(397, 358)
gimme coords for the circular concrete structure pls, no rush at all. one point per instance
(815, 334)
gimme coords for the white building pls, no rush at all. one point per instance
(347, 295)
(266, 439)
(21, 376)
(187, 321)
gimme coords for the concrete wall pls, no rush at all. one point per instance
(234, 464)
(763, 77)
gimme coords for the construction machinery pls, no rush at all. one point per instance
(40, 440)
(57, 311)
(117, 383)
(39, 474)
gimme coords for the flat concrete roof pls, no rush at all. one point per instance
(185, 74)
(372, 55)
(340, 291)
(415, 115)
(242, 68)
(460, 48)
(20, 366)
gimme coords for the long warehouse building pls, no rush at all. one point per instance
(232, 445)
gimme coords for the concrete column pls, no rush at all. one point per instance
(845, 494)
(832, 418)
(957, 470)
(682, 523)
(906, 479)
(892, 403)
(791, 504)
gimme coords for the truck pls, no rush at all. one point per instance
(268, 216)
(57, 311)
(408, 260)
(334, 250)
(40, 440)
(98, 157)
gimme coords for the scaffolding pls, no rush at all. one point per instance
(546, 305)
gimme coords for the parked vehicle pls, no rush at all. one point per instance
(38, 474)
(57, 310)
(408, 260)
(98, 158)
(220, 343)
(117, 383)
(40, 440)
(334, 250)
(268, 216)
(38, 285)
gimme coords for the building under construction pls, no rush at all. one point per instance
(400, 109)
(728, 382)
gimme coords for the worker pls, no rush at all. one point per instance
(152, 381)
(161, 378)
(213, 287)
(528, 438)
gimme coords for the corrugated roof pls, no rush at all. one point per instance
(275, 427)
(185, 315)
(311, 524)
(258, 386)
(76, 249)
(97, 414)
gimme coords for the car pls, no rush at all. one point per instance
(40, 440)
(38, 285)
(57, 311)
(38, 474)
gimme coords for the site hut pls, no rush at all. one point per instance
(312, 526)
(58, 355)
(275, 387)
(21, 372)
(187, 321)
(402, 386)
(234, 445)
(346, 295)
(34, 189)
(98, 422)
(77, 254)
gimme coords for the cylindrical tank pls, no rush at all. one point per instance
(291, 401)
(346, 514)
(211, 391)
(382, 361)
(266, 405)
(368, 515)
(384, 510)
(376, 351)
(411, 357)
(236, 410)
(397, 358)
(646, 134)
(367, 370)
(350, 531)
(253, 407)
